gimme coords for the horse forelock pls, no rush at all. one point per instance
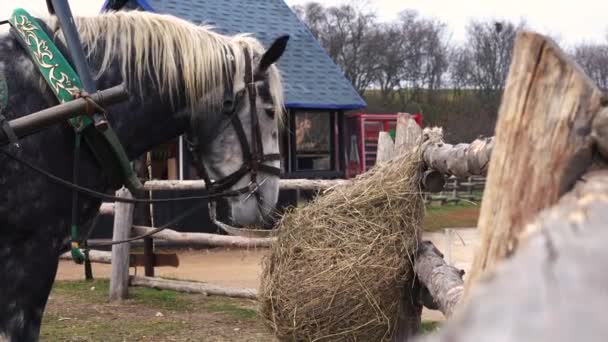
(183, 59)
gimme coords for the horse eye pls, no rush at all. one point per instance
(270, 112)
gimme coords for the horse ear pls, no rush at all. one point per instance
(272, 54)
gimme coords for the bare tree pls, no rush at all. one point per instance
(593, 58)
(347, 33)
(424, 56)
(489, 46)
(389, 70)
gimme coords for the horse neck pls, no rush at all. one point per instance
(147, 118)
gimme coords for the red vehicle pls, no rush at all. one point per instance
(362, 139)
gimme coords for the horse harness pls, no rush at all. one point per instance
(253, 153)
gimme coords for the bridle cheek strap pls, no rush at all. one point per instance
(253, 152)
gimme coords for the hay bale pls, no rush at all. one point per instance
(339, 266)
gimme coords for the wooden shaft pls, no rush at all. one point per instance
(32, 123)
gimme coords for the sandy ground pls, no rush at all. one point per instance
(242, 268)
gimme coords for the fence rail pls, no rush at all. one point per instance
(457, 190)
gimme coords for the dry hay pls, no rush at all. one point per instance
(338, 269)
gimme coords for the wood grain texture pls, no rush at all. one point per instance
(543, 144)
(408, 135)
(554, 287)
(192, 287)
(123, 219)
(386, 147)
(284, 184)
(444, 282)
(461, 160)
(204, 239)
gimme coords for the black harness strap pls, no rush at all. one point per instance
(8, 131)
(252, 149)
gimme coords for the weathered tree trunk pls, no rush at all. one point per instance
(462, 160)
(204, 239)
(554, 287)
(444, 282)
(543, 144)
(192, 287)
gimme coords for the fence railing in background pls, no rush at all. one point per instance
(457, 190)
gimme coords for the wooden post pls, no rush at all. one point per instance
(149, 257)
(408, 134)
(408, 137)
(123, 220)
(543, 145)
(448, 245)
(553, 289)
(386, 147)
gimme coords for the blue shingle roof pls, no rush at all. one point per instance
(312, 80)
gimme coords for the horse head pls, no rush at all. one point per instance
(237, 148)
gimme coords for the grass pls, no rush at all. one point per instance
(429, 326)
(81, 311)
(235, 311)
(96, 292)
(93, 328)
(460, 215)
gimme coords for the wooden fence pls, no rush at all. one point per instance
(457, 190)
(463, 160)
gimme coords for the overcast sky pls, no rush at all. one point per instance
(570, 20)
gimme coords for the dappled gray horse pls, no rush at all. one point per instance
(182, 79)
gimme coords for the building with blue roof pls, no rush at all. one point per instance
(317, 93)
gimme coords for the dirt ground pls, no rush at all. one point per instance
(80, 311)
(242, 268)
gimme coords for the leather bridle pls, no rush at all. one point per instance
(254, 159)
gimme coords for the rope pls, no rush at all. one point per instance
(125, 200)
(102, 196)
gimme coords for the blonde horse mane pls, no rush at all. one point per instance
(167, 48)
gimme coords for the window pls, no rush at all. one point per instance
(313, 136)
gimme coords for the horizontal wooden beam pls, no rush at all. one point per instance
(160, 259)
(100, 257)
(192, 287)
(284, 184)
(461, 160)
(204, 239)
(444, 282)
